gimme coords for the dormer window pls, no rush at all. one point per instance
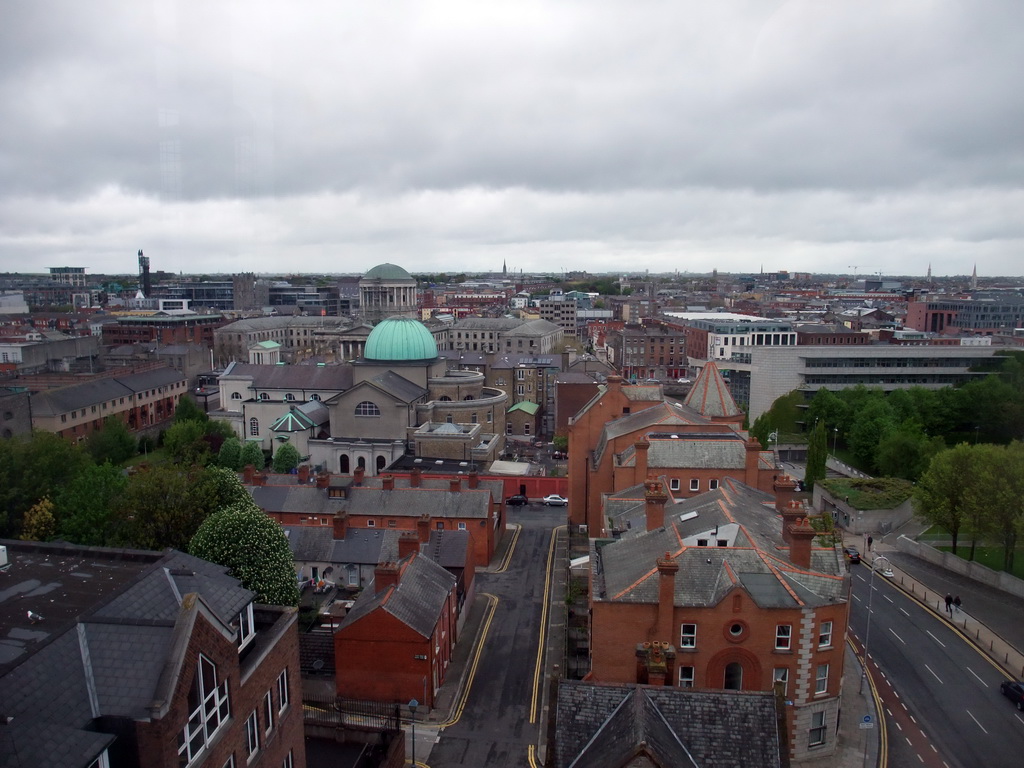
(246, 627)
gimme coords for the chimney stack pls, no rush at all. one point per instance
(303, 474)
(474, 479)
(785, 491)
(260, 478)
(654, 504)
(800, 537)
(455, 484)
(667, 570)
(793, 512)
(642, 447)
(248, 474)
(357, 476)
(414, 477)
(408, 543)
(323, 480)
(655, 663)
(340, 525)
(423, 528)
(388, 482)
(385, 575)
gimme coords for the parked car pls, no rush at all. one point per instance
(516, 501)
(683, 381)
(554, 500)
(852, 555)
(1014, 691)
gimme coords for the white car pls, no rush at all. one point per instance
(554, 500)
(683, 381)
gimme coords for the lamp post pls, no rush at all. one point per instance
(412, 708)
(835, 439)
(867, 632)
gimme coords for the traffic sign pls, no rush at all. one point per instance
(866, 722)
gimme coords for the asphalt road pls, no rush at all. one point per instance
(494, 728)
(940, 694)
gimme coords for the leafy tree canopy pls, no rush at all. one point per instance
(252, 454)
(230, 455)
(85, 506)
(113, 443)
(286, 459)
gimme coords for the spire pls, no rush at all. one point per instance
(974, 278)
(504, 267)
(710, 396)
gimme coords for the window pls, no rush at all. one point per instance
(439, 525)
(713, 485)
(252, 734)
(783, 637)
(268, 713)
(686, 677)
(821, 679)
(392, 523)
(254, 427)
(694, 484)
(444, 399)
(673, 484)
(289, 397)
(733, 676)
(264, 396)
(287, 762)
(366, 408)
(314, 396)
(371, 523)
(816, 735)
(825, 634)
(282, 690)
(208, 708)
(103, 761)
(688, 636)
(781, 675)
(462, 526)
(246, 627)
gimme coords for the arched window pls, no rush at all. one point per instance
(236, 395)
(444, 399)
(468, 397)
(264, 396)
(733, 676)
(314, 396)
(361, 463)
(289, 397)
(254, 427)
(381, 463)
(366, 408)
(344, 468)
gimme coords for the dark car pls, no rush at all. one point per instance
(517, 501)
(1014, 691)
(851, 554)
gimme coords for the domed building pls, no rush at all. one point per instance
(388, 290)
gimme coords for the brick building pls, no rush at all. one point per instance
(737, 598)
(146, 659)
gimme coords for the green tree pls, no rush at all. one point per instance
(906, 452)
(253, 547)
(286, 459)
(40, 523)
(941, 495)
(762, 428)
(230, 456)
(185, 443)
(163, 506)
(873, 422)
(113, 443)
(85, 506)
(188, 410)
(228, 489)
(253, 454)
(31, 468)
(817, 456)
(999, 492)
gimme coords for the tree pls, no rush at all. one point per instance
(286, 459)
(40, 524)
(113, 443)
(940, 495)
(817, 456)
(188, 410)
(163, 506)
(999, 491)
(253, 454)
(85, 506)
(31, 468)
(230, 455)
(873, 422)
(227, 488)
(906, 452)
(253, 547)
(185, 443)
(762, 428)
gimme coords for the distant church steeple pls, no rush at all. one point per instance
(974, 278)
(504, 268)
(929, 272)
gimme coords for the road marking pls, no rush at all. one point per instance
(934, 749)
(511, 549)
(909, 741)
(888, 599)
(904, 613)
(934, 675)
(976, 676)
(898, 637)
(1018, 717)
(920, 758)
(857, 599)
(492, 606)
(912, 718)
(899, 726)
(889, 711)
(976, 720)
(933, 637)
(539, 666)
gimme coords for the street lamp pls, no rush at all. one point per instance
(412, 708)
(835, 439)
(887, 571)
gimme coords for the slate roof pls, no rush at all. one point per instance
(417, 601)
(662, 416)
(398, 387)
(696, 450)
(104, 646)
(710, 395)
(305, 499)
(611, 725)
(754, 556)
(405, 502)
(336, 378)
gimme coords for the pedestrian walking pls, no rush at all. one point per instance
(956, 603)
(871, 541)
(949, 604)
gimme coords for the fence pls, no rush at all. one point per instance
(338, 712)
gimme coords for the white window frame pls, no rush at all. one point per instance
(673, 484)
(211, 710)
(686, 677)
(783, 637)
(825, 634)
(694, 484)
(818, 731)
(688, 639)
(268, 713)
(246, 627)
(367, 409)
(252, 735)
(821, 680)
(288, 761)
(462, 526)
(781, 675)
(712, 485)
(282, 691)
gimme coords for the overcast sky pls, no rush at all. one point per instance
(876, 136)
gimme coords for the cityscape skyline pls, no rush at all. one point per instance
(851, 138)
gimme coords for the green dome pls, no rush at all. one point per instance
(400, 338)
(387, 272)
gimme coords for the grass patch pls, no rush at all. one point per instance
(991, 557)
(870, 493)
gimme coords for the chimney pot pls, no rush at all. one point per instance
(388, 482)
